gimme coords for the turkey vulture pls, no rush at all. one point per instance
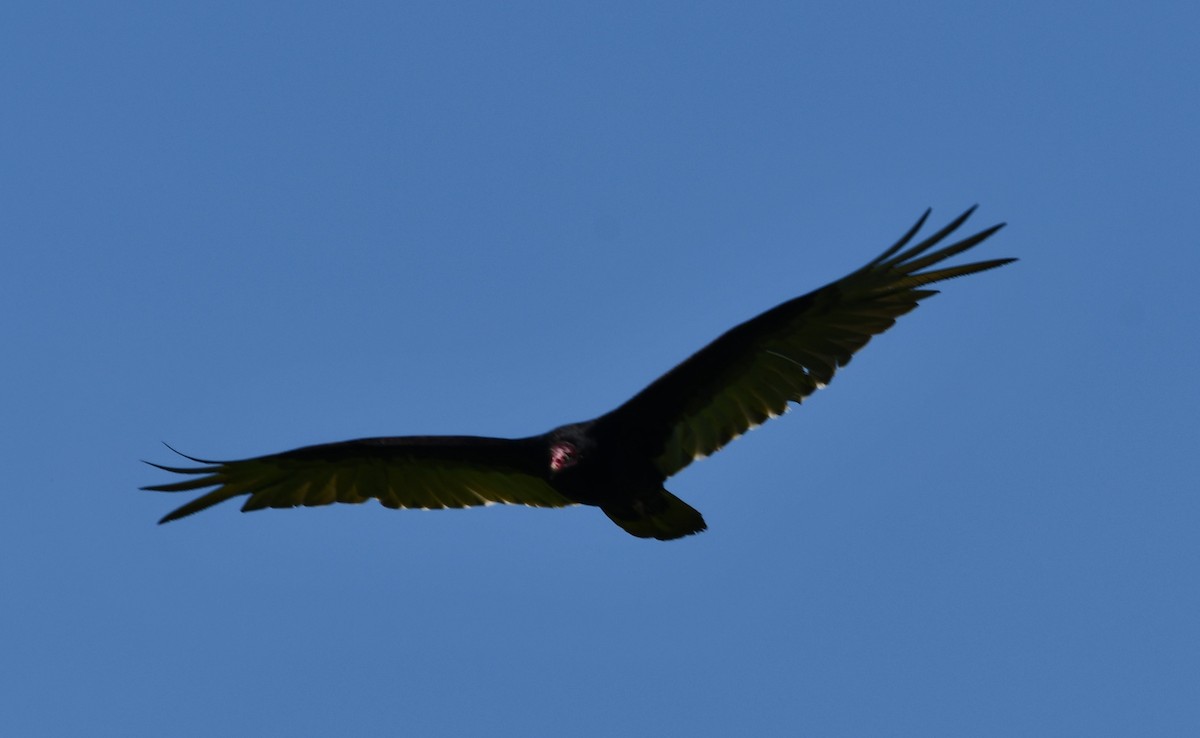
(618, 461)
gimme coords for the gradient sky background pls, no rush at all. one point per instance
(244, 227)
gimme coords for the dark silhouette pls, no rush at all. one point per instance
(619, 461)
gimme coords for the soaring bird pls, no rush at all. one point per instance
(620, 460)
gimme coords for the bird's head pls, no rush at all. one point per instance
(562, 455)
(569, 446)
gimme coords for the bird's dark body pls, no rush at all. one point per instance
(619, 461)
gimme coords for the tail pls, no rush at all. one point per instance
(662, 515)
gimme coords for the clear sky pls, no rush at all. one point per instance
(241, 227)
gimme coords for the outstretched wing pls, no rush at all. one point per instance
(419, 472)
(751, 372)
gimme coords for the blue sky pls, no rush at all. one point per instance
(245, 227)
